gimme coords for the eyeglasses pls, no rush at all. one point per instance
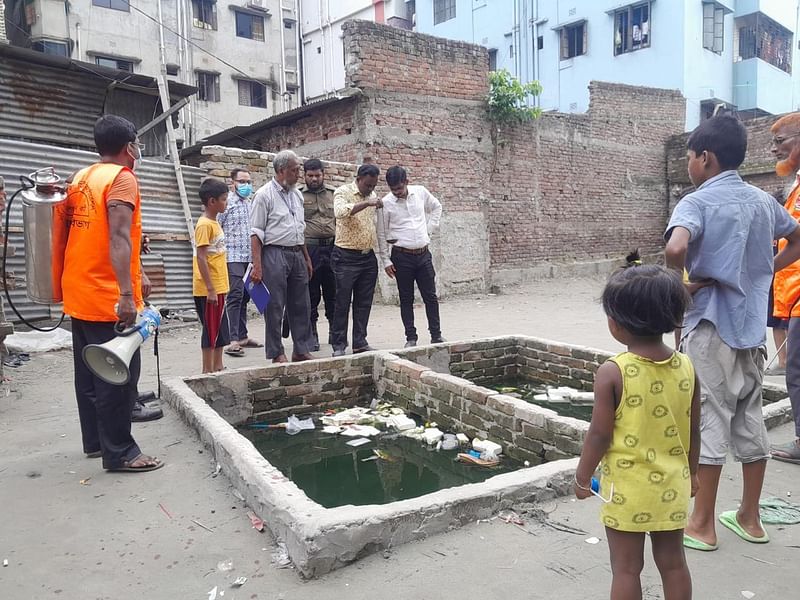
(777, 141)
(139, 145)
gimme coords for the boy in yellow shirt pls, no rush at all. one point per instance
(210, 274)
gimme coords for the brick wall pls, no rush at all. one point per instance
(757, 169)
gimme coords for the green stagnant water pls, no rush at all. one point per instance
(526, 389)
(332, 473)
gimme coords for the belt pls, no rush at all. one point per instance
(320, 241)
(368, 251)
(416, 251)
(286, 248)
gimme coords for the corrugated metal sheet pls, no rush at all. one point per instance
(162, 214)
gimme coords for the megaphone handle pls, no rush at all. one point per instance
(121, 331)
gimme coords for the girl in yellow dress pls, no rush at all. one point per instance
(645, 428)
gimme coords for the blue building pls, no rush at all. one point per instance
(740, 53)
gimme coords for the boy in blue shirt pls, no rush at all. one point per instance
(722, 233)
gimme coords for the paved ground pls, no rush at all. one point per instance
(71, 531)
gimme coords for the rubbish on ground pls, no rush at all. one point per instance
(85, 481)
(199, 524)
(187, 316)
(280, 558)
(239, 581)
(358, 442)
(511, 517)
(5, 562)
(331, 429)
(238, 495)
(225, 565)
(468, 458)
(217, 470)
(432, 435)
(747, 594)
(295, 425)
(374, 404)
(527, 463)
(401, 422)
(592, 540)
(565, 394)
(212, 593)
(360, 431)
(255, 521)
(449, 442)
(489, 450)
(369, 458)
(384, 455)
(507, 390)
(164, 510)
(776, 511)
(462, 438)
(38, 341)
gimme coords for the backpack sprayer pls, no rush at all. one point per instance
(42, 192)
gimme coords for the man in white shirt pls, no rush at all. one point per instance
(409, 215)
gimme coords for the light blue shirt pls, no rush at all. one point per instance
(235, 223)
(731, 226)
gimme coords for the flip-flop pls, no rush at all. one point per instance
(127, 468)
(790, 449)
(728, 518)
(234, 351)
(252, 344)
(695, 544)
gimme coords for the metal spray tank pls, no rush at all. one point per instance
(42, 192)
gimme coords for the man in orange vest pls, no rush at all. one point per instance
(98, 237)
(786, 148)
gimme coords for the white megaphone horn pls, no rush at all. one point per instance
(110, 361)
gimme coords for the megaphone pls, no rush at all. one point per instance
(110, 361)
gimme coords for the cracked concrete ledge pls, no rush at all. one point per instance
(320, 540)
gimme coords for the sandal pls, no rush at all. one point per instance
(148, 463)
(251, 343)
(789, 452)
(234, 351)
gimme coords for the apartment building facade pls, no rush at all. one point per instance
(739, 53)
(241, 55)
(321, 37)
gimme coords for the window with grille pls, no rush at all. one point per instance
(252, 93)
(204, 14)
(249, 26)
(207, 86)
(49, 47)
(713, 27)
(114, 63)
(115, 4)
(758, 36)
(493, 60)
(443, 10)
(573, 40)
(632, 28)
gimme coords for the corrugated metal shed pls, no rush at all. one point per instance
(56, 100)
(162, 215)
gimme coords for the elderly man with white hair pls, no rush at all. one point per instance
(280, 258)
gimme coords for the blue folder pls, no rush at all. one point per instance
(258, 291)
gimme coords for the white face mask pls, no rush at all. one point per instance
(137, 159)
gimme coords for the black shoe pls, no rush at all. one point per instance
(437, 340)
(366, 348)
(410, 344)
(146, 397)
(141, 413)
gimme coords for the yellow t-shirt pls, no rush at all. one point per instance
(209, 233)
(648, 460)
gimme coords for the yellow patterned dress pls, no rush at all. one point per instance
(648, 459)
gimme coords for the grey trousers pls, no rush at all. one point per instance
(236, 302)
(793, 370)
(285, 274)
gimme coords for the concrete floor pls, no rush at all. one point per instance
(71, 531)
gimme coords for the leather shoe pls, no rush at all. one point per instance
(141, 413)
(437, 340)
(302, 357)
(280, 359)
(338, 353)
(366, 348)
(410, 344)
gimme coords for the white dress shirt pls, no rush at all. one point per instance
(408, 221)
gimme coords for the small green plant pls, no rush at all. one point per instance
(508, 99)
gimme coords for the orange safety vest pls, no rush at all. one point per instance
(787, 282)
(88, 283)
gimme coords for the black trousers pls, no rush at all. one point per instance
(236, 302)
(322, 285)
(104, 409)
(356, 276)
(411, 268)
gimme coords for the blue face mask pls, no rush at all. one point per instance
(244, 189)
